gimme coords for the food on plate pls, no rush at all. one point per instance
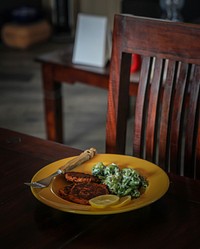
(81, 193)
(104, 201)
(124, 200)
(81, 187)
(106, 186)
(80, 177)
(121, 182)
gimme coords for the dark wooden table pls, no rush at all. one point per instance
(57, 68)
(171, 222)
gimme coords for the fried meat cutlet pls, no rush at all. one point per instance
(64, 192)
(81, 177)
(81, 187)
(81, 193)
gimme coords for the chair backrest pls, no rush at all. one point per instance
(166, 120)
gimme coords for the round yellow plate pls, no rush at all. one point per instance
(156, 177)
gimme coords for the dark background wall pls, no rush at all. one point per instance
(151, 8)
(6, 6)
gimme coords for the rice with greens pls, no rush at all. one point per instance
(121, 182)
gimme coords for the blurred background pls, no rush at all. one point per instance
(54, 21)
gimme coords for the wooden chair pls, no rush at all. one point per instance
(167, 118)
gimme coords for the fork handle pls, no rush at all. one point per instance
(83, 157)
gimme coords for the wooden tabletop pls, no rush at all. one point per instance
(63, 57)
(171, 222)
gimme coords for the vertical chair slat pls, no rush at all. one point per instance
(141, 108)
(179, 92)
(165, 122)
(152, 119)
(192, 123)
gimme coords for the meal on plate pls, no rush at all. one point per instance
(82, 187)
(104, 184)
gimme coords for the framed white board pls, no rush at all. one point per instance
(92, 41)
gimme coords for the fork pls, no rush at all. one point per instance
(83, 157)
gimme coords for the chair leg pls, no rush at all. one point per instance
(53, 105)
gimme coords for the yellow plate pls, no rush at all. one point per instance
(157, 179)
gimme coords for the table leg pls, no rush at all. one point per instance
(52, 104)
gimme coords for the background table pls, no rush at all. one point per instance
(171, 222)
(57, 68)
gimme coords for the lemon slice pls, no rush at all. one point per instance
(122, 201)
(103, 201)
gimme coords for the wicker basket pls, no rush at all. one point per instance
(24, 36)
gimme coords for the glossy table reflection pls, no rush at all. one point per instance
(171, 222)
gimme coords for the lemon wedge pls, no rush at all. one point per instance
(103, 201)
(122, 201)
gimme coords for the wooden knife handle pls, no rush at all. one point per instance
(83, 157)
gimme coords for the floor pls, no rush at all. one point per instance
(21, 100)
